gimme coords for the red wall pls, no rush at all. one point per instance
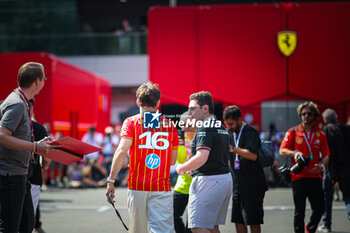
(72, 98)
(173, 51)
(238, 52)
(232, 52)
(319, 67)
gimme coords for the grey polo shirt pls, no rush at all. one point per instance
(14, 116)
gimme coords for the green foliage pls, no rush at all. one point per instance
(23, 23)
(52, 26)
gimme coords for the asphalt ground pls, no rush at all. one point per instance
(86, 210)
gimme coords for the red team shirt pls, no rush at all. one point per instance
(319, 147)
(150, 154)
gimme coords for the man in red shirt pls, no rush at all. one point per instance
(307, 141)
(152, 142)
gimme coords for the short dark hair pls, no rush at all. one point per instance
(29, 72)
(148, 94)
(232, 112)
(204, 98)
(308, 104)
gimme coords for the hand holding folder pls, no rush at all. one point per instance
(71, 150)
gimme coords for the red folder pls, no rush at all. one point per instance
(71, 150)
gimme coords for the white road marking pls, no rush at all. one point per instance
(101, 209)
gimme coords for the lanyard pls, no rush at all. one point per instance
(309, 143)
(25, 99)
(236, 140)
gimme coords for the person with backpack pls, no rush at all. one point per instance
(248, 176)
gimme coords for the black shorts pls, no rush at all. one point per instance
(248, 209)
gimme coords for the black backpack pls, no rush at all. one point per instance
(265, 154)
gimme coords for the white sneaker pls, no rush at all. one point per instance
(323, 228)
(43, 188)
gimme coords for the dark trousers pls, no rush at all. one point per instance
(180, 203)
(37, 217)
(310, 188)
(12, 194)
(347, 205)
(328, 191)
(28, 218)
(344, 185)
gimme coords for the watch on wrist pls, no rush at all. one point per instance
(109, 180)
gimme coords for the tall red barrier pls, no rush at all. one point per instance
(239, 61)
(319, 67)
(72, 99)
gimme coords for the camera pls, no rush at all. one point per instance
(302, 162)
(284, 172)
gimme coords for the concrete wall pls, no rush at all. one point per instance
(121, 71)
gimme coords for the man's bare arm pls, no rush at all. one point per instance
(119, 157)
(195, 162)
(117, 163)
(8, 141)
(173, 156)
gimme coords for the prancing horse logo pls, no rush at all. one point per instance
(287, 42)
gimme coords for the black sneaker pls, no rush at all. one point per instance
(39, 230)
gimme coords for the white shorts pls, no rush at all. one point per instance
(35, 191)
(208, 200)
(150, 212)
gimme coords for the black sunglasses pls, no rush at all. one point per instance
(307, 114)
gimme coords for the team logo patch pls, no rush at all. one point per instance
(287, 42)
(201, 134)
(317, 141)
(299, 140)
(152, 161)
(318, 134)
(151, 120)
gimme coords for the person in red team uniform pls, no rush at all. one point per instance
(305, 143)
(152, 142)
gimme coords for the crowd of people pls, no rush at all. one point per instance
(92, 171)
(215, 163)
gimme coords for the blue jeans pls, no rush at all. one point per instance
(12, 194)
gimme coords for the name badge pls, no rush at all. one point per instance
(236, 164)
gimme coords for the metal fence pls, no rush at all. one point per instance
(77, 43)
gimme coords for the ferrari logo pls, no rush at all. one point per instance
(287, 42)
